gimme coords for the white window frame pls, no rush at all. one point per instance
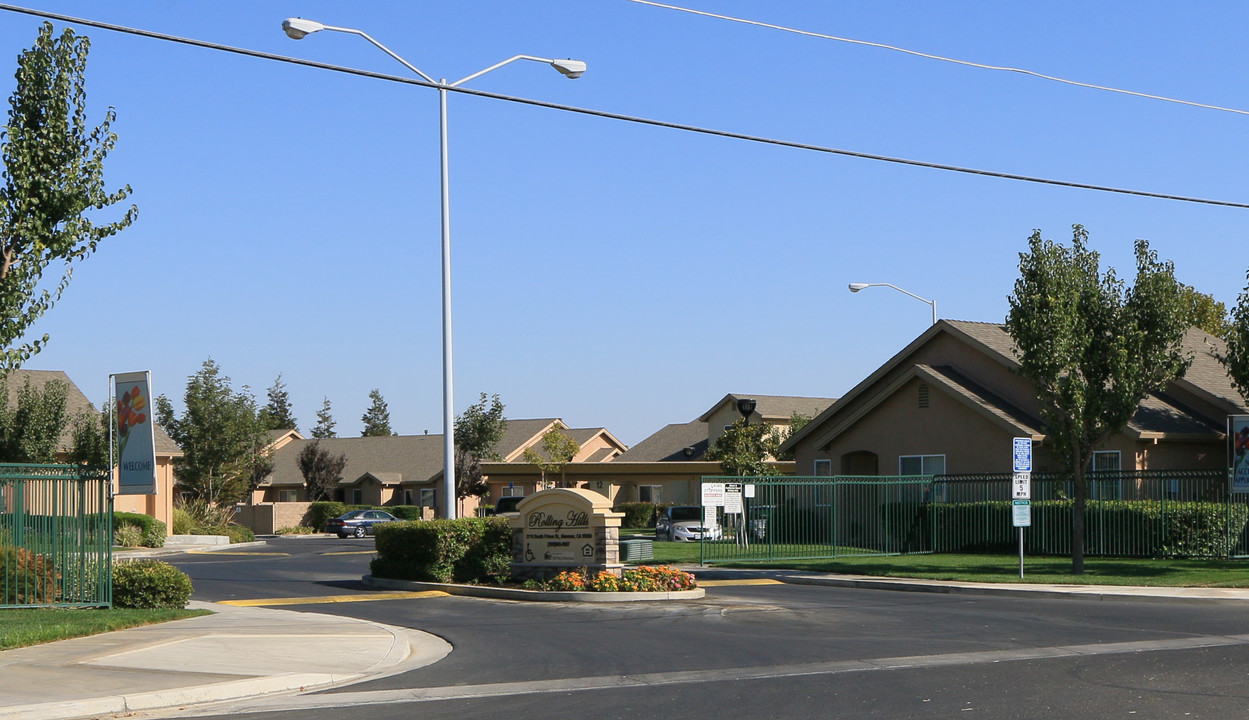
(824, 463)
(429, 493)
(288, 495)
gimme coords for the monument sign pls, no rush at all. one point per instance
(565, 529)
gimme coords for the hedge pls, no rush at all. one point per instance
(1133, 528)
(467, 550)
(153, 529)
(150, 585)
(637, 514)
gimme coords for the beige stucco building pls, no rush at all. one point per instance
(952, 400)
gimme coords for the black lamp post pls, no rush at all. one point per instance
(745, 406)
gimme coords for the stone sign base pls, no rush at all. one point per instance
(565, 529)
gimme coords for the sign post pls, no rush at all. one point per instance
(1021, 489)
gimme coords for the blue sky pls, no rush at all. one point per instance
(608, 273)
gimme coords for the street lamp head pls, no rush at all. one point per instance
(855, 287)
(299, 28)
(571, 69)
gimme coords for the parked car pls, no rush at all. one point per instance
(358, 523)
(504, 505)
(684, 523)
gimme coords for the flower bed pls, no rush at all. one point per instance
(645, 578)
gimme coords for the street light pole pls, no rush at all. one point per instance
(299, 28)
(855, 287)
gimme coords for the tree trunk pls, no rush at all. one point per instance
(1077, 513)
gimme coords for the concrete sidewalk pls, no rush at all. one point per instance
(235, 653)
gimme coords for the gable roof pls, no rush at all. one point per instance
(76, 403)
(669, 444)
(773, 407)
(1155, 417)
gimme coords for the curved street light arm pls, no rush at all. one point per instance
(855, 287)
(383, 48)
(496, 66)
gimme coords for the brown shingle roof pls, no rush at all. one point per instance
(668, 445)
(775, 406)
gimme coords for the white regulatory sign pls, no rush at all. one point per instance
(1021, 513)
(1021, 486)
(713, 494)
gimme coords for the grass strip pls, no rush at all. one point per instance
(23, 627)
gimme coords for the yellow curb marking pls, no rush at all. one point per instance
(239, 553)
(334, 599)
(743, 581)
(353, 552)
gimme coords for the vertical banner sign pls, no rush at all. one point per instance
(135, 433)
(1238, 451)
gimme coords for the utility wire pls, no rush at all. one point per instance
(956, 61)
(618, 116)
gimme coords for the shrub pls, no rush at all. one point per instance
(295, 530)
(236, 533)
(26, 578)
(150, 585)
(463, 550)
(636, 514)
(320, 512)
(128, 536)
(182, 522)
(153, 529)
(405, 512)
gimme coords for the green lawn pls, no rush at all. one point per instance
(19, 628)
(999, 568)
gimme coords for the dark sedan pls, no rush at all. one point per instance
(358, 522)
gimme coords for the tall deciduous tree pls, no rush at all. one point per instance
(52, 177)
(1236, 360)
(30, 429)
(90, 433)
(325, 422)
(321, 469)
(377, 418)
(1092, 350)
(220, 435)
(745, 448)
(560, 450)
(277, 414)
(477, 431)
(1205, 312)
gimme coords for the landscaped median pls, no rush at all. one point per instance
(472, 556)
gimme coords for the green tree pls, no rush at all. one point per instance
(90, 439)
(1205, 312)
(277, 414)
(52, 178)
(325, 422)
(377, 418)
(219, 433)
(560, 450)
(477, 431)
(745, 449)
(30, 429)
(322, 470)
(797, 421)
(1092, 350)
(1236, 359)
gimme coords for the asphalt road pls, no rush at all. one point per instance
(760, 651)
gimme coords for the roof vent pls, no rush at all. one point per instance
(923, 396)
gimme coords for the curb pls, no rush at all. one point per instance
(502, 593)
(120, 704)
(1070, 592)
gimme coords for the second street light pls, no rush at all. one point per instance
(299, 28)
(855, 287)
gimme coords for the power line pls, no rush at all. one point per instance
(929, 56)
(621, 117)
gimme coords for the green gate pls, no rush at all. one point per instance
(1163, 513)
(56, 530)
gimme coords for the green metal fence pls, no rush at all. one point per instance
(1128, 514)
(56, 529)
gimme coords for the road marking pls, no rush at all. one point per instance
(689, 677)
(370, 597)
(352, 552)
(742, 581)
(236, 553)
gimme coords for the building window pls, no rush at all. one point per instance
(511, 490)
(1106, 488)
(357, 497)
(651, 493)
(1106, 461)
(407, 497)
(427, 498)
(921, 465)
(823, 468)
(288, 495)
